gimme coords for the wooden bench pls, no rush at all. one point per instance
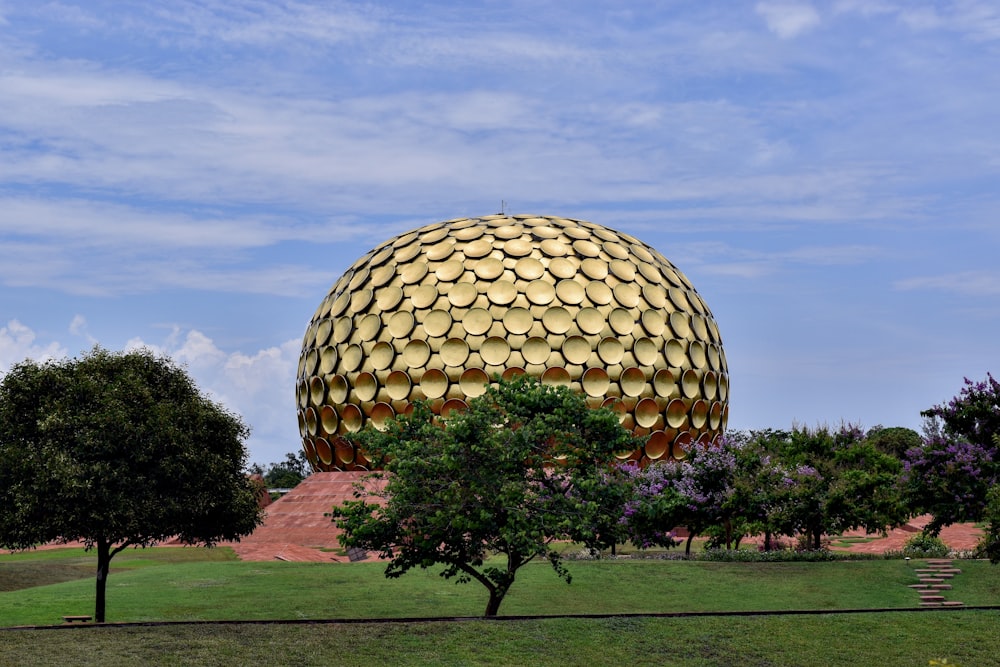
(73, 619)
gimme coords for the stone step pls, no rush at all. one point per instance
(932, 598)
(952, 603)
(931, 604)
(939, 587)
(924, 586)
(931, 580)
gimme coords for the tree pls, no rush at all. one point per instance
(285, 474)
(118, 450)
(951, 472)
(521, 467)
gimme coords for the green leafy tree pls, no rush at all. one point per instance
(285, 474)
(118, 450)
(524, 465)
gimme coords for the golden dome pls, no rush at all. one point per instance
(434, 313)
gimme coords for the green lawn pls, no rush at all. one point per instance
(198, 584)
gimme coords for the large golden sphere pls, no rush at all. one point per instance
(435, 313)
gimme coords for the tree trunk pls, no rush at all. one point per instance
(817, 536)
(493, 606)
(103, 566)
(687, 547)
(767, 540)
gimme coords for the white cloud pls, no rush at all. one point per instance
(966, 283)
(788, 19)
(19, 342)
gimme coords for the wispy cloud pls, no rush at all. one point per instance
(965, 283)
(788, 19)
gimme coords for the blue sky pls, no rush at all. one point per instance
(194, 176)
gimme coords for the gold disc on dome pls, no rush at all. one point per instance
(590, 320)
(312, 362)
(699, 327)
(623, 269)
(317, 390)
(553, 248)
(360, 300)
(358, 279)
(652, 322)
(699, 414)
(586, 248)
(344, 451)
(679, 324)
(614, 250)
(679, 299)
(540, 292)
(676, 413)
(507, 232)
(478, 248)
(576, 350)
(545, 232)
(449, 271)
(627, 295)
(338, 388)
(340, 304)
(328, 419)
(599, 293)
(646, 351)
(713, 357)
(454, 352)
(647, 413)
(434, 383)
(696, 353)
(407, 253)
(495, 351)
(570, 292)
(576, 232)
(327, 360)
(690, 384)
(352, 357)
(311, 421)
(302, 393)
(437, 323)
(556, 376)
(516, 321)
(342, 329)
(365, 386)
(433, 233)
(675, 351)
(595, 269)
(398, 385)
(382, 356)
(652, 273)
(323, 331)
(657, 445)
(389, 297)
(323, 451)
(640, 251)
(518, 247)
(512, 372)
(557, 320)
(611, 351)
(663, 383)
(536, 350)
(715, 416)
(474, 382)
(478, 321)
(562, 267)
(710, 385)
(382, 255)
(489, 268)
(468, 233)
(416, 353)
(352, 418)
(501, 292)
(617, 406)
(369, 326)
(596, 382)
(424, 296)
(723, 387)
(529, 268)
(622, 321)
(441, 251)
(682, 445)
(461, 295)
(381, 414)
(401, 323)
(632, 381)
(453, 405)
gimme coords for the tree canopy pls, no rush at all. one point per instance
(524, 465)
(118, 450)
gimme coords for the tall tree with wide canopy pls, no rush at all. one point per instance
(522, 466)
(118, 450)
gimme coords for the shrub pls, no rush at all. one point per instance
(922, 545)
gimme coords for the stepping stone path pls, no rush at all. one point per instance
(934, 580)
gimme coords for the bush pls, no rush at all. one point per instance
(922, 545)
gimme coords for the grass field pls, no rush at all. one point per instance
(198, 584)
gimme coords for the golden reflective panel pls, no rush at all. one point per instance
(434, 383)
(433, 313)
